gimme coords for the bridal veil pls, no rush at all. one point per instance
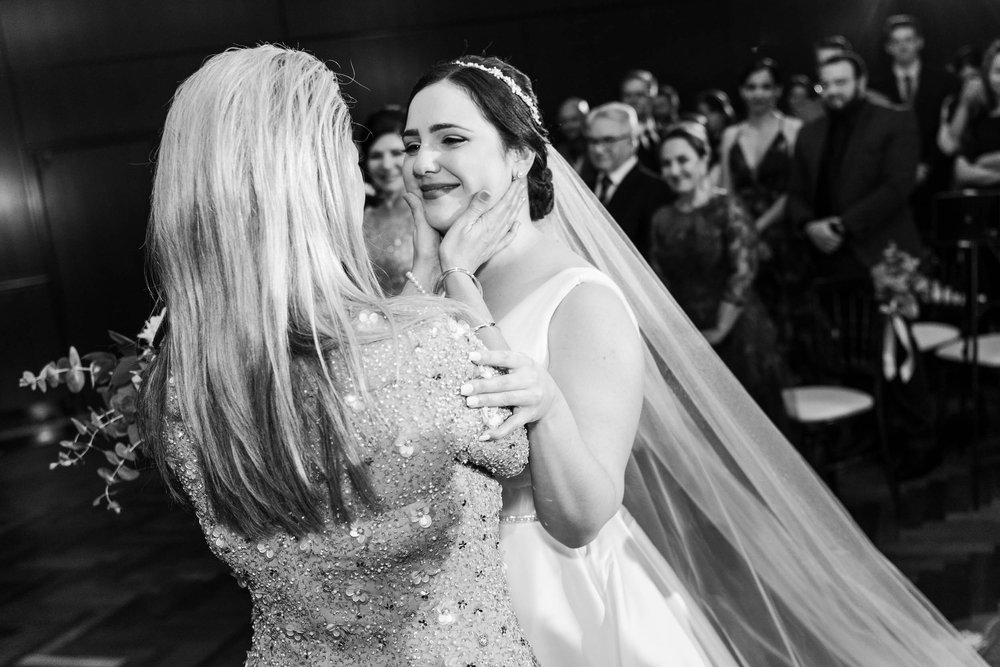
(774, 570)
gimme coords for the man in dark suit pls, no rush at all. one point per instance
(630, 192)
(852, 175)
(910, 83)
(853, 171)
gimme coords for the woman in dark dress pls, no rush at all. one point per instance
(756, 165)
(978, 162)
(704, 248)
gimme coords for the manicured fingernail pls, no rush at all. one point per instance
(483, 196)
(484, 437)
(465, 389)
(472, 401)
(475, 356)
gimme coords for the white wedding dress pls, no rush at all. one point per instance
(613, 603)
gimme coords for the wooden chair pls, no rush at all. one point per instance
(843, 387)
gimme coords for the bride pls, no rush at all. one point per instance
(663, 519)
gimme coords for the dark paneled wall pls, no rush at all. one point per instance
(85, 84)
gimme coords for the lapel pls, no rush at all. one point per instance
(623, 192)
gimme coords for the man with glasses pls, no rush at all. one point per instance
(630, 192)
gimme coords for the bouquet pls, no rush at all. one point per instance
(111, 431)
(899, 285)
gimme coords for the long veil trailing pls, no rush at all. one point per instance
(775, 571)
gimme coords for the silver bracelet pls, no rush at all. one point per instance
(484, 325)
(416, 283)
(439, 287)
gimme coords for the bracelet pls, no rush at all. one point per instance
(484, 325)
(439, 286)
(416, 283)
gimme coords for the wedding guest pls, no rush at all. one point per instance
(569, 139)
(630, 192)
(970, 100)
(718, 111)
(317, 427)
(802, 99)
(666, 107)
(638, 89)
(704, 249)
(978, 163)
(756, 164)
(852, 174)
(387, 225)
(919, 86)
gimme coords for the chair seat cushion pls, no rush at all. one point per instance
(930, 335)
(815, 404)
(989, 350)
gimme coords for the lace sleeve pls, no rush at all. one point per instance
(741, 245)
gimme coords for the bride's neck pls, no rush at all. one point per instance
(498, 266)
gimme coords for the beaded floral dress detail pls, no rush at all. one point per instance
(418, 582)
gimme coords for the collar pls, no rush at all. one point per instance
(912, 71)
(618, 175)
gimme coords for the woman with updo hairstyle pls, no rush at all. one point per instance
(704, 249)
(663, 518)
(756, 157)
(388, 226)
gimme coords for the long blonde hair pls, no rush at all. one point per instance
(255, 244)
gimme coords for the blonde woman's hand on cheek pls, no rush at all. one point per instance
(526, 388)
(485, 228)
(426, 242)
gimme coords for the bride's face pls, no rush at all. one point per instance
(452, 152)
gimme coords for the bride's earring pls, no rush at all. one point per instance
(518, 175)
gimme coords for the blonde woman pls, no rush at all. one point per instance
(317, 428)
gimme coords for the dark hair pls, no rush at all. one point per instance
(897, 21)
(390, 119)
(966, 56)
(506, 112)
(857, 63)
(802, 81)
(991, 53)
(645, 76)
(695, 133)
(833, 42)
(718, 101)
(759, 65)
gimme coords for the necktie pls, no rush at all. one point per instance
(605, 189)
(907, 89)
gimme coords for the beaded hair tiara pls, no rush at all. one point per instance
(514, 88)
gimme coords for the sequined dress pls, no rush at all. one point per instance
(420, 582)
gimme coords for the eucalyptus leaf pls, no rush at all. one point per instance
(123, 452)
(128, 474)
(107, 475)
(80, 426)
(112, 457)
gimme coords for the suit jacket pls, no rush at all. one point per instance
(932, 87)
(635, 200)
(871, 192)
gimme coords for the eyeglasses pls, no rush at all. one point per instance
(606, 141)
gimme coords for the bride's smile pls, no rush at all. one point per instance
(452, 152)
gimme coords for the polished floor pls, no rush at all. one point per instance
(82, 587)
